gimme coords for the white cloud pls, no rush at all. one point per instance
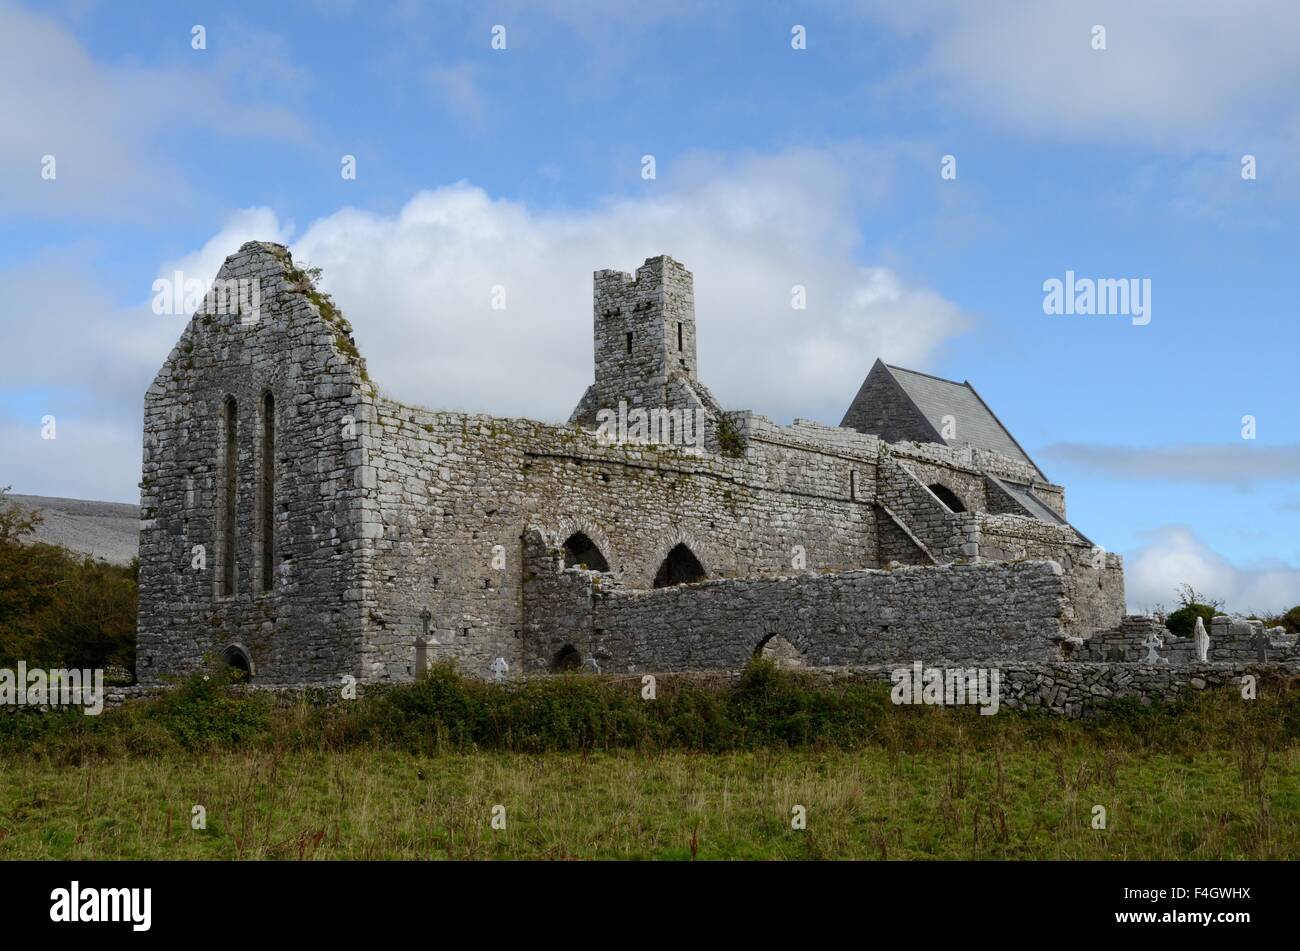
(249, 224)
(418, 285)
(111, 126)
(1240, 463)
(94, 455)
(1175, 555)
(1178, 72)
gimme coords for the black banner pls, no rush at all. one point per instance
(338, 899)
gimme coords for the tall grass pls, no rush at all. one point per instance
(765, 708)
(584, 768)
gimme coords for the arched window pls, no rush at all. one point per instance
(238, 660)
(268, 492)
(948, 497)
(581, 552)
(779, 651)
(568, 658)
(680, 567)
(230, 483)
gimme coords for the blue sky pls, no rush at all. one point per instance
(522, 168)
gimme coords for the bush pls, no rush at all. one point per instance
(58, 609)
(767, 708)
(1182, 623)
(203, 714)
(1290, 620)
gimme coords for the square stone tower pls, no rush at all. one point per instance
(644, 330)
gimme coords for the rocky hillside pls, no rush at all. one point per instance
(107, 530)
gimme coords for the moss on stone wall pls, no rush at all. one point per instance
(305, 281)
(730, 441)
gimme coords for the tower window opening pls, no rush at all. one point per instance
(629, 341)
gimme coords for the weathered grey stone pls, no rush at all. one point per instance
(338, 527)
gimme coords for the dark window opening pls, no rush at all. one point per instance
(629, 341)
(948, 497)
(229, 512)
(679, 337)
(237, 659)
(568, 658)
(581, 552)
(680, 567)
(268, 492)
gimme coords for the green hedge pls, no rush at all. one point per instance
(766, 708)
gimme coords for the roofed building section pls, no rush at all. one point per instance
(898, 404)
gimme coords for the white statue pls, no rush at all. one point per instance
(1202, 641)
(499, 669)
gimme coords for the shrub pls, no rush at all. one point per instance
(1182, 623)
(1289, 620)
(767, 708)
(58, 609)
(202, 713)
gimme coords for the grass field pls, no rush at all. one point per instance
(671, 805)
(709, 775)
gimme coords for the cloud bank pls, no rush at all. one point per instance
(418, 287)
(1177, 73)
(1238, 464)
(1174, 555)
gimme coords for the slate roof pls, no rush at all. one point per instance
(976, 425)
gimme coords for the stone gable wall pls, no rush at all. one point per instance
(309, 625)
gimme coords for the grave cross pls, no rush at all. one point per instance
(422, 646)
(1151, 643)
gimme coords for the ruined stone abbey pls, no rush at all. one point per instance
(303, 526)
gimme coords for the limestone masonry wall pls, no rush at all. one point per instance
(983, 612)
(1064, 689)
(307, 623)
(301, 525)
(452, 532)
